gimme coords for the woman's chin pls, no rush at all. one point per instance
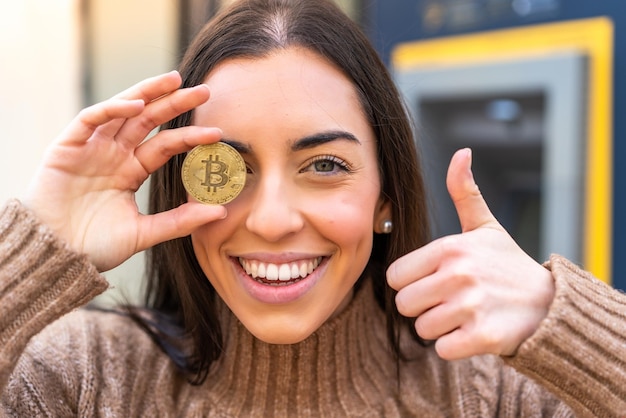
(281, 334)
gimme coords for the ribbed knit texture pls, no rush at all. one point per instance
(585, 334)
(40, 280)
(91, 363)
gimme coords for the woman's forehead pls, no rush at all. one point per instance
(296, 82)
(297, 66)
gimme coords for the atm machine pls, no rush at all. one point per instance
(529, 103)
(524, 122)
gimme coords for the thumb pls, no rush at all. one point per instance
(176, 223)
(470, 206)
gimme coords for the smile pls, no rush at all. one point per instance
(279, 274)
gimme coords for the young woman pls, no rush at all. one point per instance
(282, 302)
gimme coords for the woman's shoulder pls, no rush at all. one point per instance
(88, 360)
(90, 337)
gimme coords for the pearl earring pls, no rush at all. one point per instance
(387, 226)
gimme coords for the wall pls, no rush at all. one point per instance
(61, 55)
(40, 81)
(127, 41)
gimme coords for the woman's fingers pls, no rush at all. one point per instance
(146, 91)
(152, 88)
(419, 296)
(470, 205)
(85, 189)
(175, 223)
(156, 151)
(130, 121)
(131, 115)
(82, 127)
(462, 343)
(135, 129)
(413, 266)
(438, 321)
(476, 292)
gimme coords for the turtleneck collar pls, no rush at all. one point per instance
(345, 367)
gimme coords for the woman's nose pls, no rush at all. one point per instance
(274, 212)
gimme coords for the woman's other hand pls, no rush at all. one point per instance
(85, 187)
(476, 292)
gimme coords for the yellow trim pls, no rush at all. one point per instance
(593, 38)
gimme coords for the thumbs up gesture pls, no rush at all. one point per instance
(476, 292)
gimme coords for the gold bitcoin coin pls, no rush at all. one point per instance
(214, 174)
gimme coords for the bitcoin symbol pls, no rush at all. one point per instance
(214, 173)
(215, 170)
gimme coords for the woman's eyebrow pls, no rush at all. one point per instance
(309, 141)
(320, 138)
(239, 146)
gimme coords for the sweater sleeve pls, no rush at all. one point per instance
(41, 279)
(579, 351)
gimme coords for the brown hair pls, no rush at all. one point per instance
(179, 294)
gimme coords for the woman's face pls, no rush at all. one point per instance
(297, 238)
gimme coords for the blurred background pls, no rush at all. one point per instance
(533, 86)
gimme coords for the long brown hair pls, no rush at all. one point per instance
(185, 321)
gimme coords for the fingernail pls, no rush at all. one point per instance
(213, 131)
(202, 86)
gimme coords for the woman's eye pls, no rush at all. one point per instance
(324, 165)
(327, 165)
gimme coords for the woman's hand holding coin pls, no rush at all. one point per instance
(85, 187)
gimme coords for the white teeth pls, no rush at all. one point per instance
(295, 271)
(279, 272)
(284, 272)
(254, 269)
(272, 272)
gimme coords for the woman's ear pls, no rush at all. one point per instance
(382, 217)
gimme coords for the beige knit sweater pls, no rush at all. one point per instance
(91, 363)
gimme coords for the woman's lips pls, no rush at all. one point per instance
(279, 273)
(277, 283)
